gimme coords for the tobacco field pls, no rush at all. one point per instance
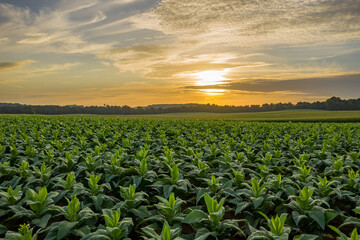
(106, 178)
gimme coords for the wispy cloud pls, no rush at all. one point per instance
(35, 38)
(12, 65)
(54, 68)
(255, 22)
(60, 29)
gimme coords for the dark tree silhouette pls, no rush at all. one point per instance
(334, 103)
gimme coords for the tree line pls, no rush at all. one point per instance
(334, 103)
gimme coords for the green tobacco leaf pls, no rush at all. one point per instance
(98, 201)
(42, 194)
(338, 192)
(64, 228)
(330, 215)
(167, 190)
(3, 212)
(3, 229)
(354, 235)
(335, 229)
(306, 237)
(141, 212)
(200, 194)
(257, 201)
(203, 234)
(98, 235)
(357, 210)
(42, 222)
(208, 202)
(318, 215)
(232, 224)
(151, 233)
(165, 234)
(240, 207)
(284, 236)
(351, 221)
(297, 217)
(195, 216)
(61, 195)
(82, 232)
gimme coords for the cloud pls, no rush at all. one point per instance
(138, 53)
(12, 65)
(254, 22)
(54, 68)
(138, 57)
(159, 61)
(35, 38)
(238, 27)
(74, 6)
(32, 72)
(341, 85)
(64, 28)
(180, 69)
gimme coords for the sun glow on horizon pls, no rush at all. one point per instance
(213, 92)
(211, 77)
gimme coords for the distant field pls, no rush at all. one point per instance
(301, 115)
(293, 115)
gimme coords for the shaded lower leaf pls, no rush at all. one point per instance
(82, 232)
(3, 229)
(203, 234)
(195, 216)
(257, 201)
(297, 217)
(306, 237)
(318, 215)
(42, 222)
(240, 207)
(64, 228)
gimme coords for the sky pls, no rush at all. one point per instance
(141, 52)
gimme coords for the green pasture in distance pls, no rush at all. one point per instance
(300, 115)
(291, 115)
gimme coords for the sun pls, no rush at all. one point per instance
(213, 92)
(211, 77)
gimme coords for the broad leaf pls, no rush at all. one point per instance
(64, 228)
(318, 215)
(195, 216)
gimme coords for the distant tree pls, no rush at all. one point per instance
(334, 103)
